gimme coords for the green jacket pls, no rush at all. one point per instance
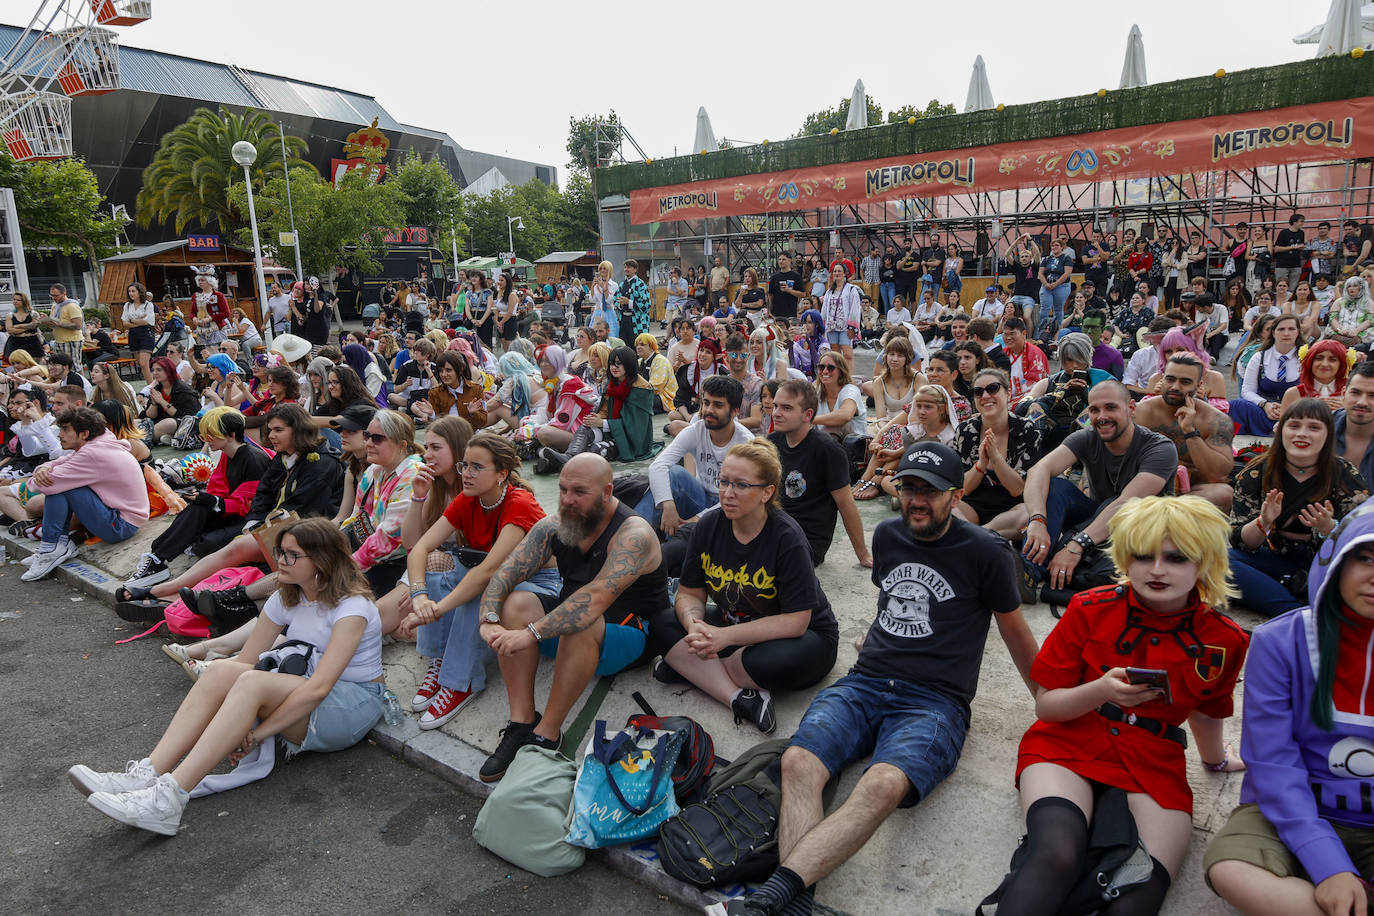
(633, 433)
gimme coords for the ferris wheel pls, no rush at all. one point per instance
(66, 51)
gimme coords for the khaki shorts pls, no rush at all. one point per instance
(1249, 837)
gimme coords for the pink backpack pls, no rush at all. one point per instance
(183, 621)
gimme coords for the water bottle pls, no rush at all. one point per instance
(391, 708)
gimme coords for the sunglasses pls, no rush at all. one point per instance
(993, 388)
(374, 438)
(825, 368)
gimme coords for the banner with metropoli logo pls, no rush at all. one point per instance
(1309, 133)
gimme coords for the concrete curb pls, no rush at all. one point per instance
(451, 759)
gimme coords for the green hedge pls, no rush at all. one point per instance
(1301, 83)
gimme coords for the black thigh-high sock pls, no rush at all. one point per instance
(1057, 839)
(1143, 899)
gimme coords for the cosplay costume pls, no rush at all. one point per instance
(1140, 749)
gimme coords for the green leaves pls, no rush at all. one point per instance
(60, 206)
(190, 177)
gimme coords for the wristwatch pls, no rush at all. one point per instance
(1192, 434)
(491, 617)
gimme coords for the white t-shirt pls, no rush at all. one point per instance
(1252, 314)
(315, 624)
(985, 309)
(277, 309)
(897, 316)
(696, 441)
(858, 424)
(140, 311)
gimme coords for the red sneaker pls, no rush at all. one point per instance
(428, 687)
(445, 706)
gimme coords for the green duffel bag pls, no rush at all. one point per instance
(526, 818)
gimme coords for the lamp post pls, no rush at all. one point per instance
(245, 154)
(290, 211)
(510, 236)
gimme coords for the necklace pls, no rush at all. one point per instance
(498, 502)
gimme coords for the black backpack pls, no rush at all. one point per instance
(696, 760)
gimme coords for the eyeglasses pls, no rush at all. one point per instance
(464, 466)
(288, 557)
(735, 354)
(374, 438)
(992, 388)
(738, 486)
(911, 490)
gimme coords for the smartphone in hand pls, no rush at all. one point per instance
(1155, 677)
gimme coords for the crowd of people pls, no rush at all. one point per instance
(376, 485)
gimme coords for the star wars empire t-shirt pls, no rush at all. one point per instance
(935, 601)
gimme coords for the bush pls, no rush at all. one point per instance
(98, 313)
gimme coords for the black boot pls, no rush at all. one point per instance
(227, 610)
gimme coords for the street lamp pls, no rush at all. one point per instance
(510, 236)
(245, 154)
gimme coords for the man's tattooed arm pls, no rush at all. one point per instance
(528, 557)
(632, 552)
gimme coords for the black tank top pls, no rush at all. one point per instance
(646, 595)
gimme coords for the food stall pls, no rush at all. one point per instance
(168, 268)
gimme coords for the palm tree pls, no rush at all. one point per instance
(189, 177)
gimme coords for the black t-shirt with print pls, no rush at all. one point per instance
(420, 387)
(770, 575)
(1100, 272)
(935, 601)
(810, 473)
(1292, 258)
(784, 304)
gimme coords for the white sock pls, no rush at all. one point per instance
(735, 696)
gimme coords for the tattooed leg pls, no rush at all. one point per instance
(573, 669)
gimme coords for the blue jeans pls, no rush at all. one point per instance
(689, 497)
(1052, 303)
(1257, 576)
(886, 291)
(918, 730)
(1065, 507)
(453, 637)
(333, 438)
(98, 518)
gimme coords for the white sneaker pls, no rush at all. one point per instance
(157, 808)
(45, 562)
(139, 774)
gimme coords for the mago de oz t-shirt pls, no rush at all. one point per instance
(935, 601)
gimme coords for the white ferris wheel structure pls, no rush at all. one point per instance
(67, 50)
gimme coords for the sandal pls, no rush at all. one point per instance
(866, 490)
(127, 593)
(147, 611)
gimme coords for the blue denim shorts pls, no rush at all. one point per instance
(838, 338)
(915, 729)
(343, 718)
(621, 647)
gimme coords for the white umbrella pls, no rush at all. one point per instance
(706, 137)
(1343, 31)
(858, 108)
(1133, 69)
(1314, 34)
(979, 92)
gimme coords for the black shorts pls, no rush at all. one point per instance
(484, 332)
(383, 576)
(990, 502)
(142, 339)
(778, 664)
(511, 330)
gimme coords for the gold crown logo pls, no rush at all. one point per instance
(367, 143)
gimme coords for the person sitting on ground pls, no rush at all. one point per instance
(1271, 372)
(843, 412)
(226, 388)
(682, 351)
(1098, 728)
(302, 477)
(382, 498)
(1028, 362)
(1299, 841)
(416, 377)
(1287, 501)
(1212, 388)
(1325, 366)
(492, 514)
(983, 332)
(1060, 400)
(331, 705)
(895, 382)
(1354, 422)
(120, 420)
(361, 361)
(32, 437)
(763, 362)
(687, 402)
(1350, 319)
(737, 364)
(810, 344)
(1201, 433)
(905, 702)
(459, 391)
(612, 581)
(998, 449)
(815, 472)
(570, 400)
(1121, 460)
(97, 482)
(769, 627)
(928, 417)
(214, 515)
(942, 370)
(677, 495)
(170, 400)
(626, 412)
(520, 395)
(1105, 356)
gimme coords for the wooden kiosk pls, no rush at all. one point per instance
(168, 268)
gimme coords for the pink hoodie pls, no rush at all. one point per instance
(106, 465)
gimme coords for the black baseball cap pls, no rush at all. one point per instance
(354, 417)
(936, 464)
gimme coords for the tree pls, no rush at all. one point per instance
(338, 227)
(60, 206)
(536, 204)
(934, 108)
(821, 122)
(190, 176)
(576, 217)
(583, 145)
(434, 199)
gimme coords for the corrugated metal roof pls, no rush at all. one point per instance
(146, 251)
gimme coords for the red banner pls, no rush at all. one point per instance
(1310, 133)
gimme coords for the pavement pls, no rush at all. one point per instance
(948, 852)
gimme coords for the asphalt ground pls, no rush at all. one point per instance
(353, 832)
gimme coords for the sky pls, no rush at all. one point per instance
(505, 78)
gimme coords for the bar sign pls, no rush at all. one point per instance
(202, 243)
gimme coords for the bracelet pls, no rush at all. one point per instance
(1264, 532)
(417, 592)
(1038, 517)
(1218, 767)
(533, 632)
(418, 499)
